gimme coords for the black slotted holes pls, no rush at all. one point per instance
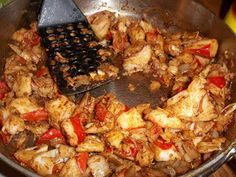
(74, 43)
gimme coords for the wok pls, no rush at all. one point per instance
(176, 15)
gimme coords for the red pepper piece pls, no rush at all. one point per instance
(41, 72)
(151, 37)
(218, 81)
(180, 89)
(35, 39)
(126, 108)
(133, 148)
(163, 145)
(5, 137)
(100, 111)
(203, 51)
(79, 130)
(21, 60)
(50, 135)
(3, 89)
(109, 149)
(31, 39)
(82, 159)
(35, 116)
(56, 169)
(109, 36)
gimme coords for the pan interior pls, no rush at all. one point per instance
(172, 15)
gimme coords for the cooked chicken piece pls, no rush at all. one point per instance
(173, 47)
(115, 138)
(188, 151)
(26, 54)
(103, 127)
(139, 134)
(37, 128)
(26, 155)
(147, 27)
(141, 108)
(114, 106)
(120, 41)
(13, 125)
(91, 144)
(136, 33)
(165, 119)
(64, 153)
(19, 35)
(123, 24)
(200, 128)
(13, 67)
(129, 169)
(22, 105)
(225, 118)
(4, 113)
(59, 110)
(130, 119)
(71, 169)
(145, 156)
(100, 23)
(44, 162)
(99, 166)
(44, 86)
(22, 86)
(210, 146)
(138, 61)
(165, 154)
(85, 107)
(193, 104)
(106, 110)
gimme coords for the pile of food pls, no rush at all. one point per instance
(58, 135)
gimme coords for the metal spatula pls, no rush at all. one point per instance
(66, 35)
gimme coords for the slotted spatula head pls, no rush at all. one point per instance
(71, 45)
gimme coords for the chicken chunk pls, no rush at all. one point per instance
(146, 26)
(193, 104)
(115, 138)
(165, 119)
(138, 61)
(145, 156)
(91, 144)
(22, 86)
(44, 86)
(13, 125)
(136, 33)
(165, 154)
(70, 169)
(211, 146)
(123, 24)
(22, 105)
(25, 156)
(85, 107)
(130, 119)
(100, 23)
(44, 162)
(59, 110)
(99, 166)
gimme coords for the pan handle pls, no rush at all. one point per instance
(216, 162)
